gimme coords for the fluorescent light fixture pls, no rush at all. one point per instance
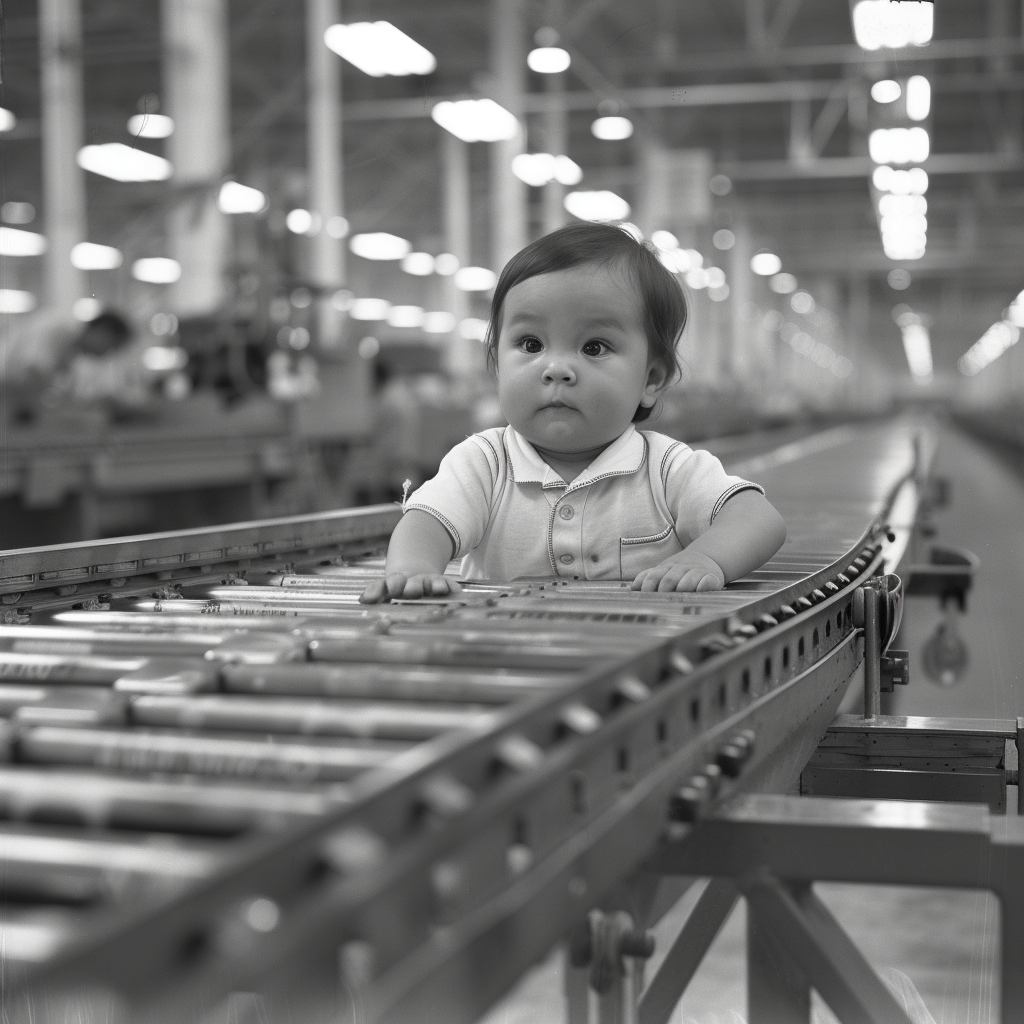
(446, 264)
(611, 129)
(156, 270)
(150, 126)
(886, 91)
(766, 264)
(86, 309)
(600, 207)
(567, 171)
(342, 300)
(697, 277)
(163, 323)
(1015, 313)
(991, 345)
(802, 303)
(7, 120)
(302, 222)
(368, 347)
(896, 206)
(337, 227)
(904, 235)
(718, 292)
(782, 284)
(473, 329)
(17, 213)
(406, 316)
(122, 163)
(236, 198)
(539, 168)
(898, 279)
(919, 97)
(369, 309)
(716, 277)
(378, 49)
(162, 358)
(15, 242)
(475, 120)
(379, 245)
(475, 279)
(90, 256)
(898, 145)
(723, 239)
(548, 60)
(892, 24)
(901, 183)
(918, 348)
(12, 300)
(419, 264)
(665, 240)
(438, 323)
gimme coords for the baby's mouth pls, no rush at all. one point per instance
(557, 405)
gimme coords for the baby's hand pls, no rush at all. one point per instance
(398, 584)
(689, 570)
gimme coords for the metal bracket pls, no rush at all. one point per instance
(948, 574)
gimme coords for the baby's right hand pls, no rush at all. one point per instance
(398, 584)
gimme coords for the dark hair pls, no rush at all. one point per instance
(662, 299)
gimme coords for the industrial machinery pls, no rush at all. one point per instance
(231, 789)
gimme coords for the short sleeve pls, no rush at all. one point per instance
(696, 488)
(459, 496)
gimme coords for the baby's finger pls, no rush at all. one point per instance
(438, 586)
(416, 587)
(709, 582)
(652, 579)
(670, 581)
(638, 583)
(374, 593)
(395, 584)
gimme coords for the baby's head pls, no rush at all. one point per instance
(660, 299)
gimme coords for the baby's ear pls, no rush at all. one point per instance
(657, 381)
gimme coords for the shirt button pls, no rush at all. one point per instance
(565, 559)
(567, 512)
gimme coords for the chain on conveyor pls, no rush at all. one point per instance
(169, 744)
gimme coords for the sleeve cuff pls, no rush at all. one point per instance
(743, 485)
(447, 524)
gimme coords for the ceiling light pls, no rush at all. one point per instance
(302, 222)
(86, 309)
(90, 256)
(898, 145)
(156, 270)
(718, 292)
(892, 23)
(716, 277)
(369, 309)
(910, 182)
(14, 301)
(991, 345)
(446, 264)
(475, 120)
(150, 126)
(406, 316)
(766, 264)
(17, 213)
(122, 163)
(886, 91)
(610, 129)
(368, 347)
(600, 206)
(720, 184)
(665, 240)
(919, 97)
(475, 279)
(7, 120)
(697, 278)
(438, 323)
(899, 279)
(15, 242)
(723, 238)
(918, 348)
(548, 60)
(337, 227)
(534, 169)
(567, 171)
(236, 198)
(473, 329)
(161, 358)
(378, 48)
(782, 284)
(418, 263)
(379, 245)
(894, 206)
(802, 303)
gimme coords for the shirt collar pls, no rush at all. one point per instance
(624, 455)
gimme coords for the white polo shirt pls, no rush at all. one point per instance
(510, 515)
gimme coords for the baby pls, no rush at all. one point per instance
(582, 339)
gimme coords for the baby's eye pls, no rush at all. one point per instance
(594, 348)
(531, 345)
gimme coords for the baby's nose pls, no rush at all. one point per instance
(559, 371)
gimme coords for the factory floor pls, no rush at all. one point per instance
(937, 949)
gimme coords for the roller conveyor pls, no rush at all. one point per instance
(440, 789)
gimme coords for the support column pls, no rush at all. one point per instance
(463, 355)
(508, 193)
(747, 358)
(60, 43)
(197, 93)
(326, 173)
(555, 131)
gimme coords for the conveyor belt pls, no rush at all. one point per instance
(217, 777)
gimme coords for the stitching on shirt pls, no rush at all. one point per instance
(446, 523)
(551, 537)
(744, 485)
(664, 462)
(508, 455)
(647, 540)
(617, 472)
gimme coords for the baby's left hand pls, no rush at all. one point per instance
(689, 570)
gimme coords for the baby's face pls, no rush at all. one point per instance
(573, 359)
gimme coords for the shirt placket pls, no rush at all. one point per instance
(565, 533)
